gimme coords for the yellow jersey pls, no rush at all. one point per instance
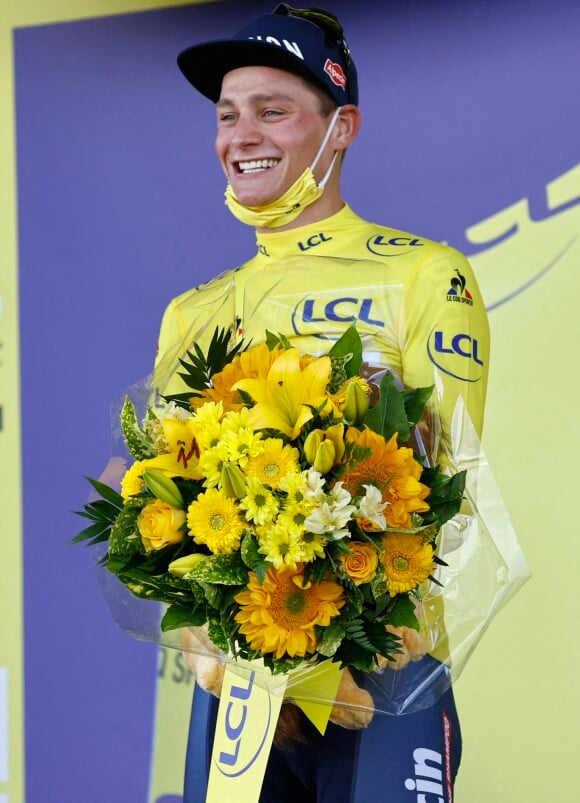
(415, 302)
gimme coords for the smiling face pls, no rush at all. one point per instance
(270, 127)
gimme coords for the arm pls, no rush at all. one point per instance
(446, 335)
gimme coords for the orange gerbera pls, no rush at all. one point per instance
(393, 470)
(279, 616)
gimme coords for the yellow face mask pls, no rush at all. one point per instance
(303, 192)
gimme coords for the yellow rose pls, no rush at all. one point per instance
(361, 564)
(160, 525)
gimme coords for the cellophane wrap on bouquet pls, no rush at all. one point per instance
(377, 540)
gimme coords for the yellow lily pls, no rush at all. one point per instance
(284, 397)
(183, 458)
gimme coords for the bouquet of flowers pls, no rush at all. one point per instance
(277, 503)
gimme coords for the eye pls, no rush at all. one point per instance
(271, 113)
(226, 117)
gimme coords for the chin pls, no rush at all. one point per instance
(253, 199)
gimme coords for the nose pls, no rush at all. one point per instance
(246, 131)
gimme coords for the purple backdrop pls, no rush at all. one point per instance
(467, 108)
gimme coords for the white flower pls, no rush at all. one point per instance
(173, 410)
(330, 521)
(340, 496)
(371, 507)
(314, 484)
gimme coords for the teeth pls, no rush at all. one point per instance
(257, 164)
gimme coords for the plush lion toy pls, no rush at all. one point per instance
(354, 707)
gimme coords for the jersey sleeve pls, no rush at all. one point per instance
(446, 334)
(171, 337)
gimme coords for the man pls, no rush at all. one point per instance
(286, 96)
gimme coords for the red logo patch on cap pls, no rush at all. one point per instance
(335, 73)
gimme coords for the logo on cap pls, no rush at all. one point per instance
(335, 73)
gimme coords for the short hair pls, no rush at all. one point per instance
(326, 103)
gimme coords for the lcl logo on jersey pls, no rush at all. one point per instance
(392, 246)
(456, 355)
(313, 241)
(345, 309)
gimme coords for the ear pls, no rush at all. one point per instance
(347, 126)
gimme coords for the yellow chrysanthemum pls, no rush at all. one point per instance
(279, 616)
(296, 487)
(236, 419)
(208, 424)
(281, 544)
(209, 413)
(211, 463)
(408, 561)
(213, 520)
(260, 504)
(391, 469)
(242, 444)
(274, 463)
(132, 482)
(313, 546)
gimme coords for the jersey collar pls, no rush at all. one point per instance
(320, 237)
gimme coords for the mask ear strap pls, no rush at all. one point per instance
(329, 131)
(325, 178)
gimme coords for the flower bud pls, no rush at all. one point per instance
(312, 444)
(232, 481)
(163, 487)
(356, 404)
(325, 457)
(324, 448)
(335, 433)
(182, 566)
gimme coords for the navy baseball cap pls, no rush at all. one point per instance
(305, 41)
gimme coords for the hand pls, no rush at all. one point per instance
(204, 659)
(412, 647)
(113, 473)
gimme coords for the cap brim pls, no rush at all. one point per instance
(205, 65)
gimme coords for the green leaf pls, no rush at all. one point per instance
(332, 636)
(363, 641)
(94, 531)
(176, 616)
(280, 339)
(261, 570)
(249, 551)
(199, 368)
(388, 415)
(446, 495)
(402, 613)
(217, 635)
(107, 493)
(415, 400)
(124, 538)
(138, 442)
(349, 345)
(213, 595)
(228, 569)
